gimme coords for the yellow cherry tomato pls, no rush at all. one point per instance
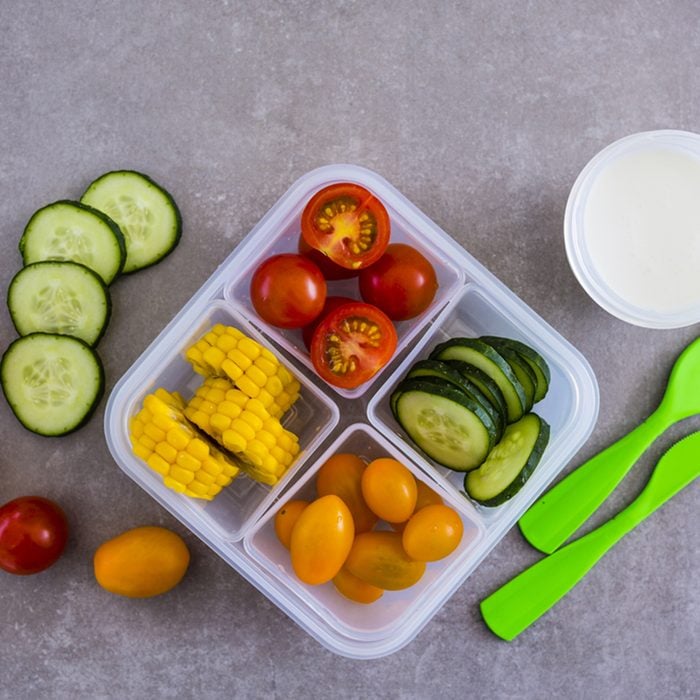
(285, 519)
(342, 475)
(356, 589)
(378, 558)
(321, 539)
(142, 562)
(389, 489)
(426, 497)
(432, 533)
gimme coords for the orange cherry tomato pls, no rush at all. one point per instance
(426, 497)
(432, 533)
(341, 474)
(389, 489)
(351, 344)
(286, 518)
(347, 223)
(355, 588)
(378, 558)
(321, 539)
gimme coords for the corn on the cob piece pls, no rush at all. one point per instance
(262, 446)
(227, 352)
(188, 462)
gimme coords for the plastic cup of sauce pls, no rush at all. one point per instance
(632, 229)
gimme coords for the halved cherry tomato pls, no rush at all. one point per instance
(331, 271)
(389, 489)
(432, 533)
(402, 283)
(286, 518)
(378, 558)
(341, 474)
(351, 344)
(332, 303)
(355, 588)
(347, 223)
(288, 290)
(321, 539)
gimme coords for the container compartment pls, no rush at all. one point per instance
(346, 619)
(570, 406)
(312, 417)
(284, 237)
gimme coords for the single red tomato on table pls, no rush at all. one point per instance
(402, 283)
(351, 344)
(33, 534)
(348, 224)
(288, 290)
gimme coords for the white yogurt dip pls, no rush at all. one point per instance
(633, 229)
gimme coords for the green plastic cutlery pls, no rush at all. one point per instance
(552, 519)
(525, 598)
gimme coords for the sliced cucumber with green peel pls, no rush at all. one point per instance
(59, 297)
(73, 231)
(146, 214)
(488, 387)
(490, 361)
(53, 383)
(511, 462)
(450, 427)
(523, 372)
(441, 371)
(537, 363)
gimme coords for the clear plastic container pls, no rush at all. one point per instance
(238, 523)
(604, 287)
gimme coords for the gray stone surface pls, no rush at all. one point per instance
(481, 113)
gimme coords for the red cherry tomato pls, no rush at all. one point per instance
(331, 304)
(288, 290)
(402, 283)
(330, 270)
(347, 223)
(33, 534)
(351, 344)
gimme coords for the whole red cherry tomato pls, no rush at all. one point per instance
(33, 534)
(402, 283)
(288, 290)
(351, 344)
(347, 223)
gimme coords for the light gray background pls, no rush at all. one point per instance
(482, 113)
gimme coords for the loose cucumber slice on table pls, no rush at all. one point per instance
(511, 462)
(488, 360)
(146, 214)
(73, 231)
(537, 363)
(53, 383)
(449, 426)
(59, 297)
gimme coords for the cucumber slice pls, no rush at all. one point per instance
(450, 427)
(523, 372)
(487, 359)
(537, 363)
(53, 383)
(59, 297)
(441, 371)
(488, 387)
(146, 214)
(510, 464)
(73, 231)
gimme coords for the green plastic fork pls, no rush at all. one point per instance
(515, 606)
(552, 519)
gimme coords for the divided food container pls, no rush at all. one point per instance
(238, 523)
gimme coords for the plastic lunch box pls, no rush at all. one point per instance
(238, 523)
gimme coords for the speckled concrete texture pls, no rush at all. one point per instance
(482, 114)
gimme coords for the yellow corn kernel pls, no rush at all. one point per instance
(140, 451)
(274, 386)
(211, 466)
(233, 441)
(250, 348)
(256, 448)
(154, 432)
(173, 484)
(198, 449)
(267, 438)
(213, 357)
(231, 369)
(188, 462)
(218, 423)
(267, 401)
(178, 438)
(197, 489)
(148, 442)
(164, 422)
(166, 451)
(252, 420)
(181, 475)
(256, 375)
(248, 386)
(158, 464)
(229, 408)
(243, 429)
(266, 366)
